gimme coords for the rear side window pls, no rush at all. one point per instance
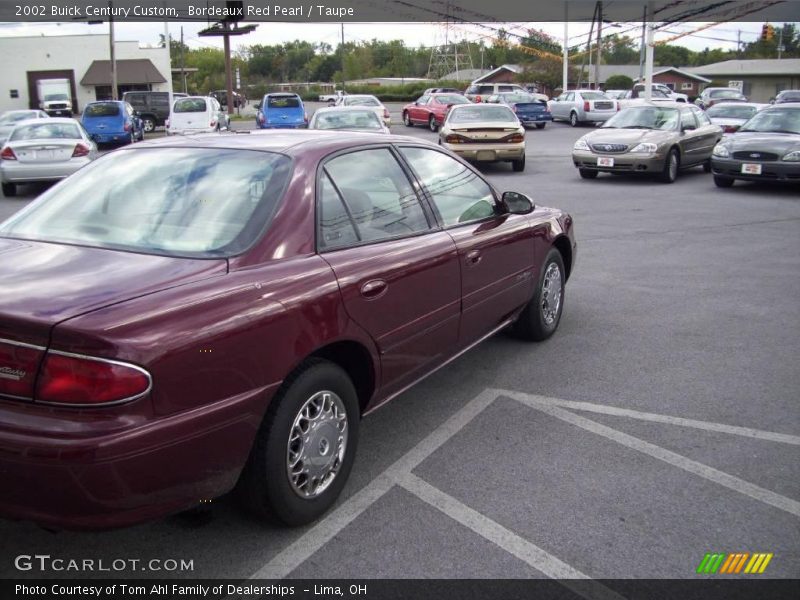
(190, 105)
(283, 102)
(377, 196)
(102, 109)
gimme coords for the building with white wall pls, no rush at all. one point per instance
(85, 61)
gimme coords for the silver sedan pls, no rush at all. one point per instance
(44, 150)
(10, 118)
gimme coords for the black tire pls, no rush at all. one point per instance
(588, 173)
(9, 189)
(573, 119)
(149, 124)
(671, 165)
(518, 165)
(407, 120)
(331, 103)
(264, 485)
(707, 166)
(532, 324)
(540, 125)
(432, 124)
(719, 181)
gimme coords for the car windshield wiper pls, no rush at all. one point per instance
(637, 127)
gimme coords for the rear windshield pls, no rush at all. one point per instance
(190, 105)
(46, 131)
(452, 99)
(283, 102)
(102, 109)
(477, 113)
(361, 101)
(347, 119)
(731, 111)
(193, 202)
(725, 94)
(594, 96)
(20, 116)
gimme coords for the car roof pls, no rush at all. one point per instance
(286, 94)
(338, 109)
(105, 102)
(783, 105)
(291, 142)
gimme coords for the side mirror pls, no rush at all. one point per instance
(517, 204)
(416, 102)
(772, 100)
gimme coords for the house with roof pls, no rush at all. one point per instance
(759, 79)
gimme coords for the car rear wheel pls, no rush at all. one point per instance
(305, 447)
(587, 173)
(719, 181)
(541, 316)
(432, 124)
(540, 125)
(9, 189)
(149, 124)
(670, 172)
(407, 120)
(518, 165)
(573, 119)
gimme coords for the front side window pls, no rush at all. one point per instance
(192, 202)
(459, 194)
(687, 120)
(377, 195)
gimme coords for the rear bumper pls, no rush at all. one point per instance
(16, 172)
(282, 125)
(487, 152)
(770, 171)
(111, 137)
(534, 120)
(596, 115)
(125, 476)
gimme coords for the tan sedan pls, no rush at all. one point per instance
(659, 139)
(484, 133)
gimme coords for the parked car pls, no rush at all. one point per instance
(529, 108)
(152, 107)
(732, 115)
(657, 139)
(112, 121)
(617, 94)
(787, 96)
(583, 106)
(441, 90)
(430, 109)
(221, 96)
(229, 307)
(634, 97)
(369, 101)
(351, 118)
(765, 148)
(281, 111)
(10, 118)
(197, 114)
(332, 98)
(640, 88)
(43, 150)
(478, 92)
(484, 133)
(711, 95)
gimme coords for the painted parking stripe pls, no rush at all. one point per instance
(736, 484)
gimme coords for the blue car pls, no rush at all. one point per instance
(531, 109)
(281, 111)
(112, 122)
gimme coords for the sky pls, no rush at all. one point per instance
(721, 35)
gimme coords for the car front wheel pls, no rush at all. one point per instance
(670, 172)
(305, 447)
(541, 316)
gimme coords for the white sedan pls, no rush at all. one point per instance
(367, 100)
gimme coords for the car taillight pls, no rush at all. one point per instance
(127, 126)
(80, 150)
(477, 98)
(586, 106)
(385, 113)
(730, 128)
(514, 107)
(514, 138)
(8, 154)
(18, 365)
(454, 139)
(212, 124)
(305, 117)
(260, 118)
(82, 380)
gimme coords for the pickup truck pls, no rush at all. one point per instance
(660, 87)
(333, 98)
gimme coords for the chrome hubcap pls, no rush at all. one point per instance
(551, 293)
(317, 442)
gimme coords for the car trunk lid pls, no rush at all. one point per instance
(44, 151)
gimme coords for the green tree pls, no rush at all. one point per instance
(619, 82)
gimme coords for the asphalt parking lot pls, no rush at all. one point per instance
(660, 423)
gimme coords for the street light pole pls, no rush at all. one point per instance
(111, 51)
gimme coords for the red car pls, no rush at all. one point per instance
(430, 109)
(192, 315)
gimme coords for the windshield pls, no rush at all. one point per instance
(102, 109)
(195, 202)
(731, 111)
(775, 120)
(644, 117)
(361, 101)
(190, 105)
(46, 131)
(452, 99)
(16, 117)
(283, 102)
(789, 96)
(51, 97)
(480, 113)
(725, 94)
(347, 119)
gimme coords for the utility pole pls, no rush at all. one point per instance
(183, 73)
(599, 45)
(642, 46)
(565, 57)
(780, 42)
(111, 51)
(343, 56)
(649, 52)
(739, 44)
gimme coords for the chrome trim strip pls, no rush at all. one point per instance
(22, 344)
(13, 397)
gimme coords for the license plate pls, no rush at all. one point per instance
(605, 161)
(751, 169)
(486, 155)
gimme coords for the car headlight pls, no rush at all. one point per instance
(581, 145)
(645, 147)
(721, 151)
(792, 156)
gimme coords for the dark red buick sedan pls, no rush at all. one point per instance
(192, 315)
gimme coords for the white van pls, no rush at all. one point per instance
(196, 114)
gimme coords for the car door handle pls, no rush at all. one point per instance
(374, 289)
(474, 257)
